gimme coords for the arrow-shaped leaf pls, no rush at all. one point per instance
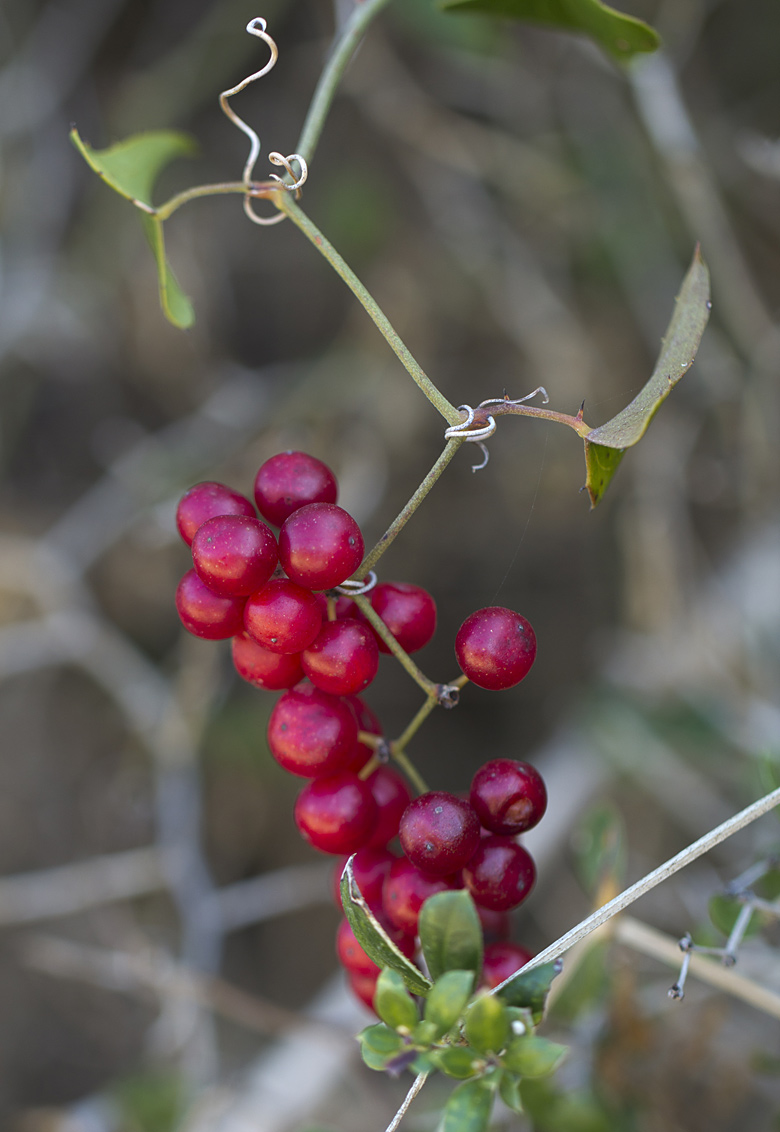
(622, 36)
(604, 446)
(176, 306)
(131, 168)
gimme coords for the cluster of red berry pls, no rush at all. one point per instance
(449, 843)
(292, 633)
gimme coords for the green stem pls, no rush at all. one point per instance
(170, 206)
(400, 744)
(401, 655)
(411, 772)
(343, 49)
(577, 423)
(400, 521)
(301, 220)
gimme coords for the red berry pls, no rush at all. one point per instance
(291, 480)
(439, 832)
(364, 987)
(206, 500)
(392, 796)
(206, 614)
(509, 797)
(343, 659)
(351, 954)
(502, 960)
(263, 668)
(370, 866)
(320, 546)
(406, 889)
(495, 925)
(408, 611)
(311, 733)
(282, 616)
(234, 555)
(495, 648)
(500, 874)
(335, 814)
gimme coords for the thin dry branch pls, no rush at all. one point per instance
(647, 940)
(663, 872)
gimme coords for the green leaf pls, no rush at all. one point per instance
(425, 1033)
(381, 1039)
(450, 933)
(373, 1059)
(529, 988)
(393, 1003)
(622, 36)
(458, 1061)
(447, 999)
(373, 938)
(176, 306)
(153, 1101)
(600, 849)
(552, 1111)
(487, 1024)
(601, 463)
(469, 1108)
(509, 1091)
(132, 166)
(605, 445)
(532, 1056)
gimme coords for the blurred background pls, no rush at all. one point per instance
(524, 212)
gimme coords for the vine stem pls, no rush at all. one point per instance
(577, 423)
(400, 654)
(663, 872)
(344, 47)
(286, 205)
(419, 1081)
(400, 521)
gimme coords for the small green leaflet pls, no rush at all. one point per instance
(372, 937)
(529, 988)
(469, 1108)
(604, 446)
(620, 35)
(131, 168)
(450, 933)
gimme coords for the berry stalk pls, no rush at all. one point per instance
(403, 658)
